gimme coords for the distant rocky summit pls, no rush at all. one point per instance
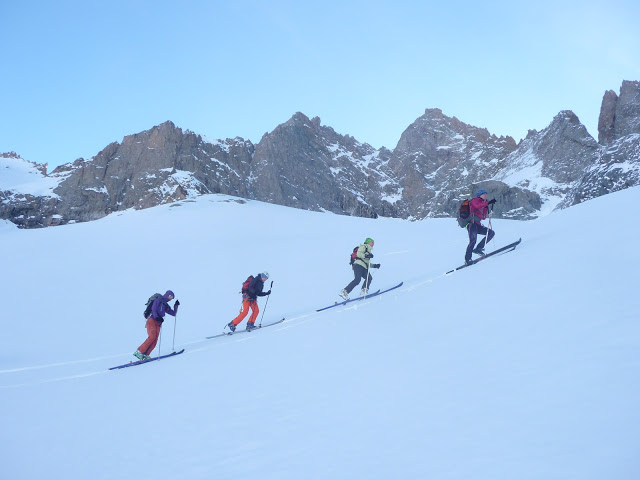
(437, 162)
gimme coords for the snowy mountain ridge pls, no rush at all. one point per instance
(437, 162)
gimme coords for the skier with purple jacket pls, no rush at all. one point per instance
(159, 308)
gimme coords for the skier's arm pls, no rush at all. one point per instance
(172, 311)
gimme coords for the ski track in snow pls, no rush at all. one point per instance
(204, 345)
(288, 323)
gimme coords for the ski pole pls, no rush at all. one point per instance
(175, 320)
(488, 229)
(265, 305)
(366, 283)
(159, 340)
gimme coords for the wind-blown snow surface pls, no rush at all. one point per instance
(525, 366)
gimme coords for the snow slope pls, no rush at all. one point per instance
(23, 177)
(525, 366)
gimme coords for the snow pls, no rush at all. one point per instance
(23, 177)
(523, 367)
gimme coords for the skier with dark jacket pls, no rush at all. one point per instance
(478, 209)
(250, 301)
(159, 308)
(360, 268)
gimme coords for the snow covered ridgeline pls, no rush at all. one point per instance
(535, 377)
(438, 161)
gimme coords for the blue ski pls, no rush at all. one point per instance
(224, 334)
(140, 362)
(364, 297)
(505, 249)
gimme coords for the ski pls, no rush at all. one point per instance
(344, 302)
(505, 249)
(140, 362)
(224, 334)
(364, 297)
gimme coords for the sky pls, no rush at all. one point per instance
(77, 76)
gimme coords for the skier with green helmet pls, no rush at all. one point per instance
(361, 258)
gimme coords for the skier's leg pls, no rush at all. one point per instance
(243, 312)
(358, 274)
(473, 236)
(490, 235)
(153, 331)
(367, 283)
(254, 311)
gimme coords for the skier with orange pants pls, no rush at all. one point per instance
(250, 292)
(154, 323)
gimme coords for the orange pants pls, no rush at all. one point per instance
(246, 305)
(153, 330)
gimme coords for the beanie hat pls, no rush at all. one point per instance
(265, 274)
(480, 192)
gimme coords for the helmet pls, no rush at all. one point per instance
(480, 192)
(369, 240)
(265, 274)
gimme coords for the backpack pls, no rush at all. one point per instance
(354, 255)
(246, 283)
(152, 298)
(464, 214)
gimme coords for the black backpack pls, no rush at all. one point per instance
(464, 213)
(152, 298)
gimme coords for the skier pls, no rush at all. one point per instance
(250, 301)
(154, 323)
(478, 208)
(361, 269)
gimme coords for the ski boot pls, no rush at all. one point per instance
(250, 326)
(231, 326)
(344, 294)
(478, 251)
(468, 262)
(364, 291)
(138, 355)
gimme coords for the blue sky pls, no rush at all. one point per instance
(77, 76)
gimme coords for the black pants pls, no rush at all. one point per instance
(359, 273)
(474, 230)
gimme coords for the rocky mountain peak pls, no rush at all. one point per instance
(438, 161)
(627, 120)
(619, 113)
(607, 117)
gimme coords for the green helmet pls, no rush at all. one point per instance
(369, 240)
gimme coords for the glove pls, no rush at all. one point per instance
(269, 292)
(492, 201)
(368, 255)
(177, 303)
(375, 265)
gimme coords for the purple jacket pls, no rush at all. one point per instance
(161, 306)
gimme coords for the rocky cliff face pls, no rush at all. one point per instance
(438, 161)
(437, 156)
(305, 165)
(157, 166)
(617, 163)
